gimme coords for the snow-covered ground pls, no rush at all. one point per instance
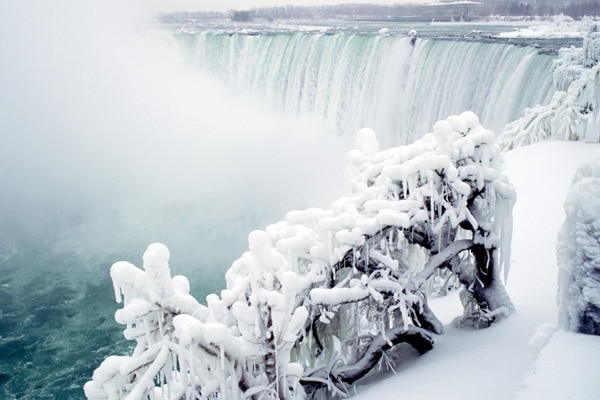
(524, 357)
(561, 27)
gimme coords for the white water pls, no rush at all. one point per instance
(386, 83)
(108, 143)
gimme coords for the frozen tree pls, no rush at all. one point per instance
(574, 105)
(579, 252)
(320, 298)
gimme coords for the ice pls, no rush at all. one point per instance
(561, 370)
(570, 114)
(561, 27)
(109, 368)
(295, 369)
(498, 362)
(366, 258)
(295, 324)
(578, 252)
(354, 237)
(127, 277)
(366, 142)
(338, 295)
(215, 333)
(387, 217)
(592, 47)
(243, 312)
(291, 244)
(132, 311)
(443, 129)
(187, 328)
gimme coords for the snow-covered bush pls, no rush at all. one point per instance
(574, 105)
(320, 297)
(578, 252)
(591, 47)
(567, 67)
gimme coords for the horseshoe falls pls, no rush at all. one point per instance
(395, 85)
(115, 134)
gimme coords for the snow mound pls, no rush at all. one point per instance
(565, 368)
(561, 27)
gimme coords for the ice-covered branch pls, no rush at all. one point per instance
(420, 339)
(321, 296)
(440, 259)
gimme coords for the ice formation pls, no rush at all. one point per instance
(578, 252)
(573, 109)
(320, 297)
(562, 26)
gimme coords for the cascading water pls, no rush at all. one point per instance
(107, 144)
(395, 85)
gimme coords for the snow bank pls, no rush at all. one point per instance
(561, 27)
(565, 368)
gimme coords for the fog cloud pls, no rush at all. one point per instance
(98, 116)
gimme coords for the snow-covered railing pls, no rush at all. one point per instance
(574, 105)
(320, 298)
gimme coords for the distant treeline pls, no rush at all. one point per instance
(526, 8)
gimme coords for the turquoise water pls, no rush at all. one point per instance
(76, 173)
(396, 85)
(56, 324)
(57, 300)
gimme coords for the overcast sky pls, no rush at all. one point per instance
(223, 5)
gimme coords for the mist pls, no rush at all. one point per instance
(109, 141)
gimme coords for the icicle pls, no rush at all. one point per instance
(351, 267)
(504, 221)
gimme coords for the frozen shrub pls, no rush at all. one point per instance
(319, 298)
(591, 46)
(574, 105)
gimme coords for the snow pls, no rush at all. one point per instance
(561, 27)
(579, 252)
(342, 272)
(512, 359)
(570, 115)
(286, 279)
(559, 369)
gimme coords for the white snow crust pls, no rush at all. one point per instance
(564, 369)
(525, 356)
(561, 26)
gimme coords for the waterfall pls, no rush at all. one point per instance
(110, 143)
(392, 84)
